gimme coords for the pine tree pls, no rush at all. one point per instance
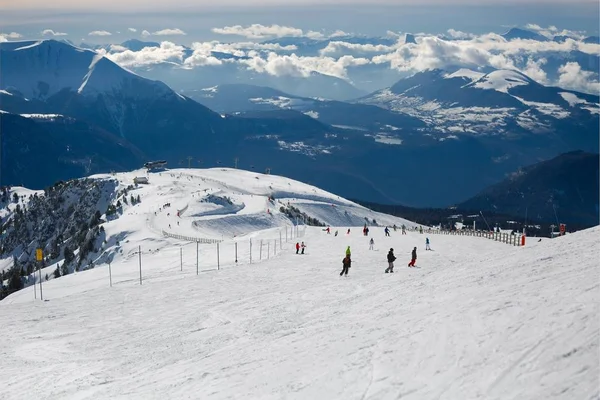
(139, 200)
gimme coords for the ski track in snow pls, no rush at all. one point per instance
(477, 320)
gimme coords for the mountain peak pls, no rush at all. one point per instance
(518, 33)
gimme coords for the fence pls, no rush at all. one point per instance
(508, 238)
(187, 258)
(190, 238)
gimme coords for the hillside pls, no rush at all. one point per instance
(565, 187)
(476, 317)
(82, 223)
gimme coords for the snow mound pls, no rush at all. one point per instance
(465, 73)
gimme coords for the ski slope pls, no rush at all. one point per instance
(477, 319)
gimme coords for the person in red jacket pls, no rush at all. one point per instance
(297, 247)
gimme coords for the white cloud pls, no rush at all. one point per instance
(132, 29)
(163, 32)
(99, 33)
(573, 77)
(340, 48)
(167, 52)
(52, 33)
(453, 33)
(12, 35)
(552, 31)
(293, 65)
(534, 70)
(258, 31)
(169, 32)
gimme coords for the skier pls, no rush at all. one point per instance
(367, 232)
(427, 244)
(371, 244)
(391, 258)
(420, 229)
(403, 229)
(347, 233)
(348, 251)
(303, 247)
(346, 263)
(336, 233)
(387, 231)
(414, 258)
(328, 230)
(395, 227)
(297, 247)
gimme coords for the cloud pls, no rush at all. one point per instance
(293, 65)
(169, 32)
(52, 33)
(258, 31)
(132, 29)
(454, 34)
(99, 33)
(341, 48)
(145, 33)
(4, 37)
(167, 52)
(534, 70)
(552, 31)
(573, 77)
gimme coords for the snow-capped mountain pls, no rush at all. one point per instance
(518, 33)
(501, 102)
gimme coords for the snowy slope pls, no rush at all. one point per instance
(43, 68)
(225, 205)
(477, 319)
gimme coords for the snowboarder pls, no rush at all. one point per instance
(427, 244)
(367, 232)
(303, 246)
(391, 258)
(346, 265)
(371, 244)
(348, 251)
(414, 258)
(387, 231)
(297, 247)
(336, 233)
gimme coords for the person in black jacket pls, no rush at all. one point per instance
(346, 263)
(414, 258)
(391, 258)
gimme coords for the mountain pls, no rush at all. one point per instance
(137, 45)
(38, 149)
(501, 103)
(517, 33)
(235, 98)
(565, 187)
(592, 39)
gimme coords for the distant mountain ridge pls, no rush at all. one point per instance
(565, 187)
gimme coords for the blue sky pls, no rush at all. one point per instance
(358, 18)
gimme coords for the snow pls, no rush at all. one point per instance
(312, 114)
(282, 102)
(6, 93)
(477, 319)
(501, 80)
(465, 73)
(554, 110)
(42, 116)
(572, 99)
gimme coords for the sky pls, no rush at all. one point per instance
(76, 19)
